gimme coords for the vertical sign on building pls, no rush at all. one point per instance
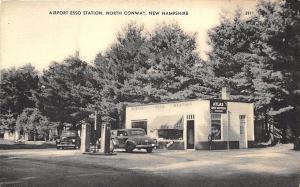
(218, 106)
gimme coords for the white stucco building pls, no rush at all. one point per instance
(191, 124)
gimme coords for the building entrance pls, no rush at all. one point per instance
(190, 129)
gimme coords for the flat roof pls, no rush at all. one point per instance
(186, 100)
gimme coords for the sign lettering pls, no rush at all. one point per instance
(218, 106)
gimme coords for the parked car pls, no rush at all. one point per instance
(68, 139)
(131, 139)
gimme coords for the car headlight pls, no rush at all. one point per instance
(153, 144)
(57, 140)
(73, 140)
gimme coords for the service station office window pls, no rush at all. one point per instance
(170, 134)
(216, 126)
(139, 124)
(172, 131)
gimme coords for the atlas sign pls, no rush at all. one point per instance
(218, 106)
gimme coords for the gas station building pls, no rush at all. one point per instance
(196, 124)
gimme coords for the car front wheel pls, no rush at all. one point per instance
(129, 147)
(149, 150)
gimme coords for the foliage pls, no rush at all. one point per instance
(255, 57)
(171, 66)
(16, 93)
(115, 69)
(7, 121)
(32, 121)
(141, 68)
(68, 89)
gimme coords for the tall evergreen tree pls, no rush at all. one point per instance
(253, 57)
(68, 91)
(160, 66)
(174, 69)
(115, 69)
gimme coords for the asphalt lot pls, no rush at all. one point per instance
(272, 166)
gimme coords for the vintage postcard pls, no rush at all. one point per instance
(150, 93)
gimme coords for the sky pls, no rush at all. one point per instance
(30, 34)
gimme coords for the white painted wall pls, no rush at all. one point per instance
(236, 109)
(201, 111)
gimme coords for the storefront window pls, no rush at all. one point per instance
(216, 126)
(170, 134)
(139, 124)
(172, 128)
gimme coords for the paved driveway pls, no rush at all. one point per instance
(274, 166)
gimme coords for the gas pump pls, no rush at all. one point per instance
(105, 139)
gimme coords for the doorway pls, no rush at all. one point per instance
(243, 144)
(190, 129)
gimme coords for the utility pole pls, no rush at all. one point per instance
(95, 125)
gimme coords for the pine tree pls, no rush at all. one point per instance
(253, 57)
(174, 67)
(68, 91)
(115, 69)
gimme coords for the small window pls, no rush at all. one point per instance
(216, 126)
(243, 119)
(242, 123)
(113, 133)
(122, 133)
(190, 117)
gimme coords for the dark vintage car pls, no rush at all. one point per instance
(131, 139)
(68, 139)
(297, 143)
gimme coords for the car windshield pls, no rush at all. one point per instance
(137, 132)
(68, 133)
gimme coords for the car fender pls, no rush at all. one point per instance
(130, 141)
